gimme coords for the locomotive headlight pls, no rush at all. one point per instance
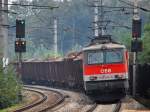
(119, 76)
(116, 76)
(92, 78)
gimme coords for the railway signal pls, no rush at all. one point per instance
(136, 46)
(20, 46)
(136, 28)
(20, 28)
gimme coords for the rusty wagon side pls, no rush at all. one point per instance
(66, 73)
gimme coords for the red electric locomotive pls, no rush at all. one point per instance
(105, 68)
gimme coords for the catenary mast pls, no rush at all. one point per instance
(3, 29)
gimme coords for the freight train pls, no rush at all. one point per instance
(105, 68)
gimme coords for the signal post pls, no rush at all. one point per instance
(20, 43)
(136, 44)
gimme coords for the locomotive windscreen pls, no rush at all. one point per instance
(95, 57)
(105, 56)
(114, 56)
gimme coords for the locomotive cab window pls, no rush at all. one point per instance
(114, 56)
(96, 57)
(104, 56)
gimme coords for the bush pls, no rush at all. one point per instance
(10, 87)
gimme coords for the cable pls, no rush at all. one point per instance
(105, 6)
(8, 11)
(6, 26)
(40, 28)
(44, 8)
(144, 9)
(25, 5)
(38, 17)
(119, 25)
(123, 26)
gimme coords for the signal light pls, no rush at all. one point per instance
(136, 28)
(16, 43)
(136, 46)
(23, 43)
(20, 28)
(20, 46)
(92, 78)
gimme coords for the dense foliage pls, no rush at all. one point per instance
(145, 55)
(74, 19)
(9, 87)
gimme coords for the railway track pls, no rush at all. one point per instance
(69, 98)
(56, 103)
(36, 103)
(80, 105)
(117, 107)
(107, 108)
(36, 106)
(92, 108)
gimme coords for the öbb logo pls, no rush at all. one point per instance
(105, 70)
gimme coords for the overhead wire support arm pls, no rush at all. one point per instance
(116, 24)
(41, 27)
(25, 5)
(6, 26)
(111, 7)
(8, 11)
(106, 21)
(50, 8)
(101, 22)
(130, 4)
(120, 25)
(117, 10)
(121, 7)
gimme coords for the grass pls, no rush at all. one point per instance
(14, 107)
(25, 101)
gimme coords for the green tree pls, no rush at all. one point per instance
(73, 17)
(125, 38)
(10, 87)
(145, 55)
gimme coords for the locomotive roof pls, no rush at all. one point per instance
(104, 46)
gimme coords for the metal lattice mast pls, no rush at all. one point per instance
(55, 37)
(96, 26)
(98, 19)
(1, 36)
(3, 30)
(102, 32)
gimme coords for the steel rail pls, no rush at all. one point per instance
(44, 98)
(117, 107)
(93, 107)
(59, 101)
